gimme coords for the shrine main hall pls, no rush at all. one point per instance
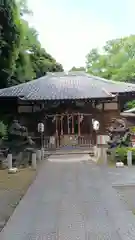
(66, 103)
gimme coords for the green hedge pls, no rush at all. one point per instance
(122, 154)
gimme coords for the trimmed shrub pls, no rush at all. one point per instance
(122, 154)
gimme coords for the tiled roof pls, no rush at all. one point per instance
(67, 86)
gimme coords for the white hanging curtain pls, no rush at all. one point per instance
(54, 119)
(81, 118)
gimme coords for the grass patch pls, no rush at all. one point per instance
(100, 161)
(18, 181)
(133, 211)
(111, 163)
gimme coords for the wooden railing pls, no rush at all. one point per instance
(81, 141)
(85, 140)
(48, 144)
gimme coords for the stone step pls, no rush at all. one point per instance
(69, 158)
(71, 151)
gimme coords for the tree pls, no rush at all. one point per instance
(23, 8)
(9, 40)
(117, 61)
(36, 61)
(22, 56)
(74, 69)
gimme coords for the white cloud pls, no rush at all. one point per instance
(66, 35)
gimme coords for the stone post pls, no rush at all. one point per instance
(20, 157)
(9, 159)
(34, 162)
(39, 155)
(129, 158)
(42, 153)
(104, 155)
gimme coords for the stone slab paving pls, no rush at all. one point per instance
(71, 201)
(123, 180)
(122, 176)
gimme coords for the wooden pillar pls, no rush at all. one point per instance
(68, 124)
(79, 130)
(56, 122)
(61, 121)
(72, 124)
(103, 119)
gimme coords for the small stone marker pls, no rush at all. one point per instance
(39, 155)
(13, 170)
(129, 158)
(9, 159)
(119, 164)
(34, 161)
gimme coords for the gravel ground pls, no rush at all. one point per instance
(12, 188)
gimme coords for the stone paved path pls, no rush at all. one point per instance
(70, 201)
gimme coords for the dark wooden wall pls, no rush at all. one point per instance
(31, 117)
(99, 113)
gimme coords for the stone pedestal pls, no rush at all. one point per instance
(104, 155)
(101, 153)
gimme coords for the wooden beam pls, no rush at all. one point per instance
(64, 114)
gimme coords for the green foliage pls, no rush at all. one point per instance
(77, 69)
(117, 60)
(122, 154)
(22, 57)
(9, 39)
(132, 129)
(131, 104)
(22, 5)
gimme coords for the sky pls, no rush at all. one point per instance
(69, 29)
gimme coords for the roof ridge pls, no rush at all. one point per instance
(111, 81)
